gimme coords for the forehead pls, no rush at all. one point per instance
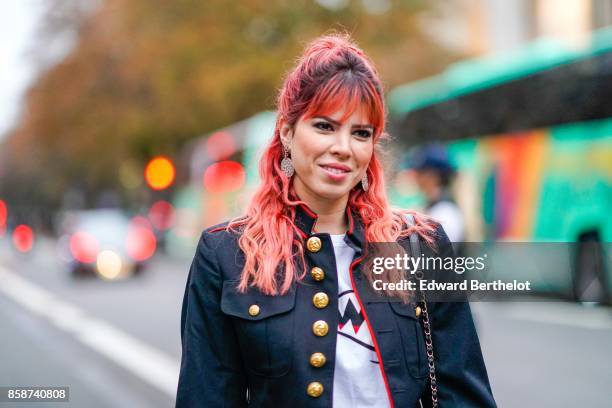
(343, 115)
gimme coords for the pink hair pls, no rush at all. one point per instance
(333, 73)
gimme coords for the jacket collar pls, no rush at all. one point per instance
(305, 220)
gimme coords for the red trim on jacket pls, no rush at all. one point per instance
(218, 229)
(302, 233)
(308, 210)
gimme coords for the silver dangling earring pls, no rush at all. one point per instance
(286, 163)
(365, 184)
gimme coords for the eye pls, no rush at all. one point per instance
(363, 133)
(324, 126)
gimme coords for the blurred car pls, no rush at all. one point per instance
(106, 243)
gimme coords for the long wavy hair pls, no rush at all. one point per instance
(332, 74)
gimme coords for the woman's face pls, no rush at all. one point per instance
(330, 158)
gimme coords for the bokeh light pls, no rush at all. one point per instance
(108, 264)
(23, 238)
(3, 215)
(220, 145)
(140, 241)
(224, 177)
(162, 215)
(84, 247)
(159, 173)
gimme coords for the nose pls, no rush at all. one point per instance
(341, 145)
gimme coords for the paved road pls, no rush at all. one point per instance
(117, 344)
(547, 354)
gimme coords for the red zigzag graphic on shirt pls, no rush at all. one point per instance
(350, 313)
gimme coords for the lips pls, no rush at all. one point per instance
(336, 168)
(336, 173)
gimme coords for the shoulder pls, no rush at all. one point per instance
(431, 233)
(222, 226)
(219, 235)
(218, 250)
(413, 217)
(443, 246)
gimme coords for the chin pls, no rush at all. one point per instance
(332, 193)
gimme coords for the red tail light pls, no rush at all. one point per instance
(84, 247)
(3, 212)
(23, 238)
(141, 242)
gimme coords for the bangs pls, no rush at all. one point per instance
(346, 91)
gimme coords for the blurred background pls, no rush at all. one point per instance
(126, 127)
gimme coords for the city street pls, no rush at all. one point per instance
(117, 344)
(127, 129)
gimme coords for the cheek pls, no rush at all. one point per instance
(306, 150)
(363, 154)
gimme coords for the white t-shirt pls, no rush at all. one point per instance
(358, 381)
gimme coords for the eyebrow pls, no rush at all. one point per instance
(336, 123)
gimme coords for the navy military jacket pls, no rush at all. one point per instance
(234, 356)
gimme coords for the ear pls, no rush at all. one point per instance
(286, 134)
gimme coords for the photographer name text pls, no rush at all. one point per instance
(464, 285)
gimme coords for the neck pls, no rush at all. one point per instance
(331, 214)
(334, 222)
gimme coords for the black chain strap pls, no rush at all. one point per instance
(430, 353)
(415, 249)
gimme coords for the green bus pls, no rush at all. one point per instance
(530, 134)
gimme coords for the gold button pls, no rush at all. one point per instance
(315, 389)
(317, 273)
(317, 360)
(320, 300)
(320, 328)
(417, 311)
(254, 310)
(313, 244)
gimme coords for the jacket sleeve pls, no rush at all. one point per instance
(211, 373)
(461, 374)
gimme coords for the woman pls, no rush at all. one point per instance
(270, 295)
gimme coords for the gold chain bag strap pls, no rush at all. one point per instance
(415, 249)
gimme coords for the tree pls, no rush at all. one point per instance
(146, 76)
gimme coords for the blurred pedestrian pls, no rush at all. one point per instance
(273, 314)
(434, 175)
